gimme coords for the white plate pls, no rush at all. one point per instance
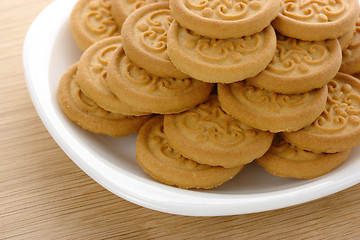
(49, 50)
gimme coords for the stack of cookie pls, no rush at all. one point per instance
(220, 42)
(85, 98)
(275, 65)
(199, 148)
(122, 89)
(311, 36)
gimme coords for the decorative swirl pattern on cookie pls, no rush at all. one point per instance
(293, 55)
(153, 29)
(164, 152)
(342, 109)
(267, 100)
(98, 19)
(100, 62)
(318, 11)
(222, 50)
(152, 83)
(211, 124)
(224, 9)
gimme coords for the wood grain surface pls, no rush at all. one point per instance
(44, 195)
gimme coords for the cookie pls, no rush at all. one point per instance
(338, 127)
(271, 111)
(217, 60)
(224, 19)
(86, 113)
(351, 55)
(285, 160)
(157, 158)
(91, 21)
(121, 9)
(92, 76)
(314, 20)
(144, 35)
(150, 93)
(300, 66)
(207, 135)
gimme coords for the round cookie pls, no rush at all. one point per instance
(164, 164)
(121, 9)
(351, 55)
(144, 35)
(91, 21)
(92, 76)
(300, 66)
(224, 19)
(338, 127)
(86, 113)
(271, 111)
(150, 93)
(217, 60)
(209, 136)
(285, 160)
(313, 20)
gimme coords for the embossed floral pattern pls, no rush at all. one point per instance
(267, 100)
(153, 28)
(222, 50)
(100, 63)
(342, 108)
(99, 20)
(209, 123)
(293, 55)
(153, 83)
(224, 9)
(314, 10)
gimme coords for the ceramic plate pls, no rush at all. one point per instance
(49, 50)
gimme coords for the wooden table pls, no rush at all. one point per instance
(44, 195)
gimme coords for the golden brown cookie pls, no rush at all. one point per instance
(224, 19)
(144, 35)
(351, 55)
(314, 20)
(86, 113)
(164, 164)
(217, 60)
(300, 66)
(338, 127)
(92, 76)
(271, 111)
(285, 160)
(209, 136)
(91, 21)
(150, 93)
(121, 9)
